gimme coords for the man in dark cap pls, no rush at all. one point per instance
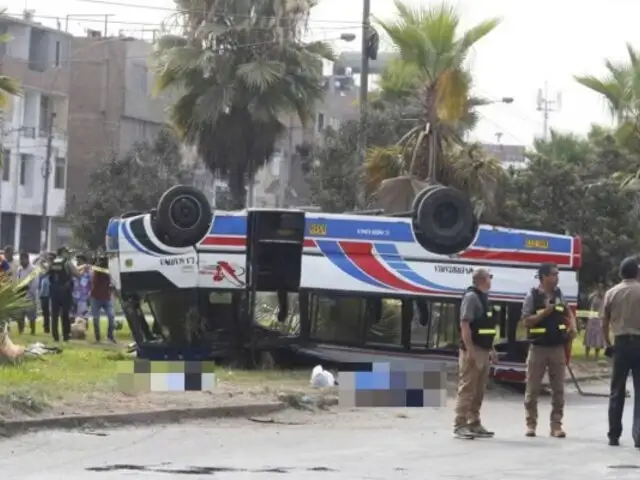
(550, 326)
(621, 318)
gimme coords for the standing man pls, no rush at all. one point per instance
(550, 326)
(61, 274)
(101, 299)
(477, 333)
(28, 275)
(621, 317)
(44, 291)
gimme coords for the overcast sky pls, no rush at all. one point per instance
(537, 42)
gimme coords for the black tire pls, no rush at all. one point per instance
(415, 205)
(183, 216)
(131, 213)
(446, 221)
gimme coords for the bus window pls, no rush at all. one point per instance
(337, 318)
(435, 324)
(383, 321)
(445, 320)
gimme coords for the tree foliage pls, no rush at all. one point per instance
(239, 67)
(134, 181)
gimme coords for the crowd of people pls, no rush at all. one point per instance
(64, 288)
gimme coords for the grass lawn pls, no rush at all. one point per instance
(86, 368)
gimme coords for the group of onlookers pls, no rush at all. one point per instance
(62, 288)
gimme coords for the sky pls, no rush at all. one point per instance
(538, 43)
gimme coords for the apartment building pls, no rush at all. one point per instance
(39, 57)
(339, 104)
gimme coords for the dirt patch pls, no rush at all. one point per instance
(294, 394)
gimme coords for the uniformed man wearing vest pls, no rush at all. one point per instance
(550, 326)
(477, 333)
(61, 273)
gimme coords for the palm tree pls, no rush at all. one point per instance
(237, 69)
(431, 75)
(620, 87)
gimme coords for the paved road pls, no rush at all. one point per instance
(358, 444)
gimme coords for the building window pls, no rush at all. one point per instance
(59, 173)
(24, 168)
(46, 106)
(6, 165)
(57, 59)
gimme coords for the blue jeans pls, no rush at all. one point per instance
(107, 306)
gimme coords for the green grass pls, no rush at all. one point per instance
(81, 367)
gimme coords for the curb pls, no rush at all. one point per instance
(174, 415)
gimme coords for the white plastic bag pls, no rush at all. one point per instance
(320, 378)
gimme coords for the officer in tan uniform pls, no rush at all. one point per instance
(621, 319)
(550, 326)
(477, 333)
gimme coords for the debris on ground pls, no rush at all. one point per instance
(321, 378)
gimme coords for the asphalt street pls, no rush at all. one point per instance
(378, 444)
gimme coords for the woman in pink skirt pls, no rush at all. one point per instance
(593, 335)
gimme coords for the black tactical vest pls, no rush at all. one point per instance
(552, 330)
(59, 279)
(483, 327)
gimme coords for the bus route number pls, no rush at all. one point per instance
(318, 229)
(539, 244)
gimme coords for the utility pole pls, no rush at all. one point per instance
(364, 84)
(46, 173)
(546, 106)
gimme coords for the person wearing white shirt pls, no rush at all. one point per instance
(25, 270)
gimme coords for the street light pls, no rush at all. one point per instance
(506, 100)
(348, 37)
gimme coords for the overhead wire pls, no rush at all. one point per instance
(203, 11)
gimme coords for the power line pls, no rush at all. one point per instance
(203, 11)
(82, 19)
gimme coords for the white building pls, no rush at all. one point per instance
(39, 58)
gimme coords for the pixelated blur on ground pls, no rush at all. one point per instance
(374, 444)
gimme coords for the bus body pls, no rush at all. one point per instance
(356, 266)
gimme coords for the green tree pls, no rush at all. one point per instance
(432, 50)
(134, 181)
(331, 166)
(238, 68)
(571, 186)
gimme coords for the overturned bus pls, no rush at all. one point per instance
(349, 287)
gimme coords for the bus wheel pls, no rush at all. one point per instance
(446, 221)
(421, 194)
(183, 216)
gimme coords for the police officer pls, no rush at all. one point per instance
(550, 326)
(620, 319)
(61, 273)
(477, 333)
